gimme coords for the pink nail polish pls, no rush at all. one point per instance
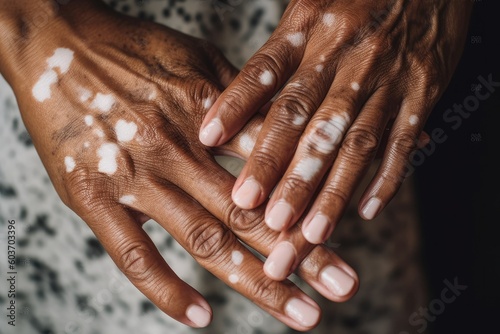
(279, 216)
(247, 195)
(198, 315)
(212, 133)
(371, 208)
(302, 312)
(279, 263)
(315, 231)
(337, 280)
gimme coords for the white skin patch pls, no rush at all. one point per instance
(237, 257)
(125, 131)
(247, 143)
(328, 19)
(207, 103)
(152, 95)
(299, 120)
(69, 162)
(327, 134)
(85, 94)
(413, 120)
(307, 168)
(127, 199)
(233, 278)
(266, 78)
(42, 91)
(61, 59)
(103, 102)
(296, 39)
(99, 133)
(258, 129)
(107, 154)
(86, 144)
(89, 120)
(320, 68)
(355, 86)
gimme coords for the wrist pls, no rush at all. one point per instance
(28, 27)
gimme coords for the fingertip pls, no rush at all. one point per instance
(211, 134)
(200, 316)
(338, 281)
(371, 208)
(247, 196)
(316, 230)
(279, 263)
(303, 311)
(279, 216)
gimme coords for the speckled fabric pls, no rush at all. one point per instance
(67, 283)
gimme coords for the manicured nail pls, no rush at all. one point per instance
(211, 134)
(280, 261)
(279, 216)
(198, 315)
(315, 231)
(371, 208)
(302, 312)
(337, 280)
(247, 195)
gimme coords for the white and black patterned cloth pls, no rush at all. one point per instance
(67, 283)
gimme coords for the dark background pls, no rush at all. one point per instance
(459, 190)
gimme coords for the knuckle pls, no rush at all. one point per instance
(325, 134)
(265, 291)
(243, 222)
(361, 142)
(295, 182)
(333, 192)
(294, 102)
(87, 190)
(269, 60)
(136, 260)
(265, 158)
(208, 241)
(403, 144)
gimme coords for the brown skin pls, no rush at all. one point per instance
(402, 54)
(174, 178)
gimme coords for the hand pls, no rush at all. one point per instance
(113, 108)
(342, 70)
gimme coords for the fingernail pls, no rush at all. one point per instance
(280, 261)
(337, 280)
(247, 195)
(279, 216)
(371, 208)
(198, 315)
(302, 312)
(315, 231)
(212, 133)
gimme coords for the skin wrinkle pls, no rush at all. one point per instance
(183, 162)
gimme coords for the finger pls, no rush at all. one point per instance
(211, 187)
(278, 139)
(423, 140)
(217, 249)
(395, 164)
(242, 144)
(316, 152)
(259, 80)
(137, 257)
(355, 156)
(292, 250)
